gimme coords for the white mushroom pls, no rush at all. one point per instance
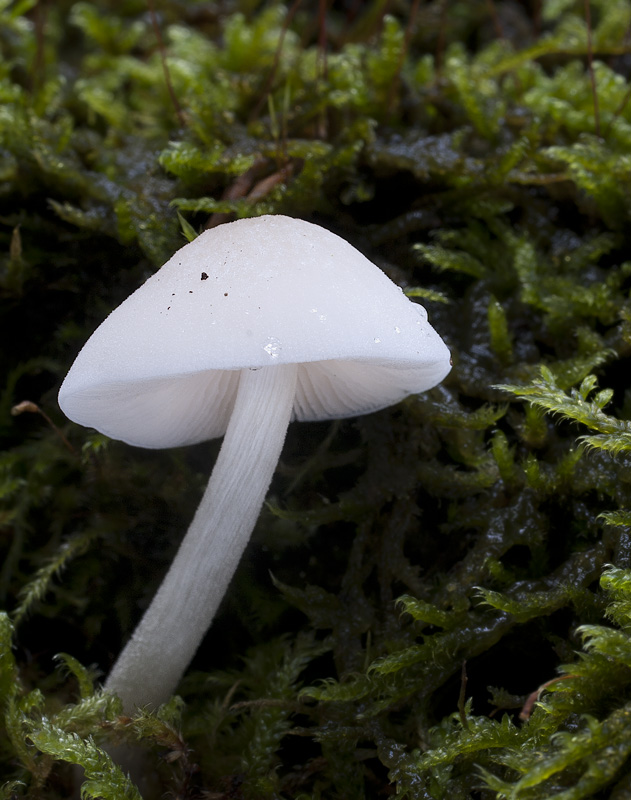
(253, 324)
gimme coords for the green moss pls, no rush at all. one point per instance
(441, 622)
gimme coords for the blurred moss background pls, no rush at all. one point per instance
(436, 602)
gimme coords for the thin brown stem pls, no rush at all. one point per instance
(322, 67)
(263, 187)
(497, 25)
(533, 697)
(590, 67)
(272, 73)
(441, 40)
(32, 408)
(462, 698)
(41, 13)
(165, 67)
(536, 17)
(396, 81)
(322, 39)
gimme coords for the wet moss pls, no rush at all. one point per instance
(449, 608)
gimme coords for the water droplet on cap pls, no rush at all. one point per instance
(272, 348)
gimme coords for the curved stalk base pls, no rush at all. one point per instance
(162, 646)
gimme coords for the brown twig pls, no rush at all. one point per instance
(41, 13)
(250, 187)
(264, 187)
(239, 188)
(590, 66)
(532, 698)
(165, 67)
(267, 87)
(322, 66)
(441, 39)
(322, 39)
(536, 17)
(497, 25)
(407, 37)
(32, 408)
(462, 698)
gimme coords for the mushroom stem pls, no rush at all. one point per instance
(150, 666)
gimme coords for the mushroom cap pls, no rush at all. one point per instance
(162, 369)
